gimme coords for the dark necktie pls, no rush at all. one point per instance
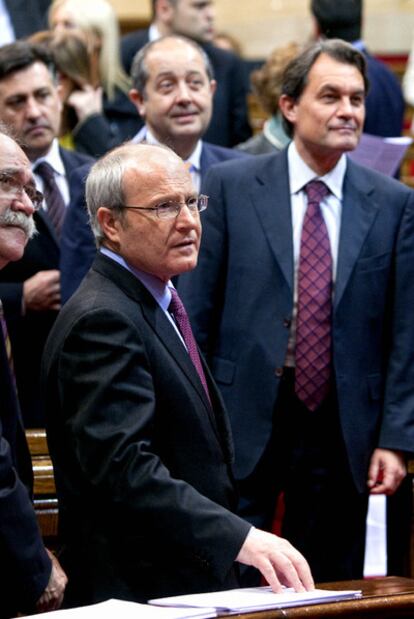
(177, 309)
(53, 197)
(313, 327)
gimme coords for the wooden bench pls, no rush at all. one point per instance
(44, 489)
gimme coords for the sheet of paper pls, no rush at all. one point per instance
(255, 598)
(382, 154)
(130, 610)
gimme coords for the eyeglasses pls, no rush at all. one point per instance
(12, 188)
(170, 210)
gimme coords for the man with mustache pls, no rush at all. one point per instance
(172, 88)
(31, 577)
(30, 287)
(302, 302)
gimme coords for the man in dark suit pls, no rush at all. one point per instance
(279, 321)
(384, 106)
(137, 432)
(25, 17)
(31, 577)
(229, 124)
(172, 89)
(30, 287)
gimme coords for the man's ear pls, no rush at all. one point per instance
(138, 100)
(213, 87)
(164, 11)
(109, 224)
(288, 107)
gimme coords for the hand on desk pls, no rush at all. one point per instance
(277, 560)
(386, 471)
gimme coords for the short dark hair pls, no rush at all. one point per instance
(338, 19)
(139, 71)
(22, 54)
(295, 75)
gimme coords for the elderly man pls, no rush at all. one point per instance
(30, 287)
(31, 577)
(138, 434)
(173, 90)
(302, 300)
(195, 19)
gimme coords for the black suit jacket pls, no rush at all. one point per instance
(26, 566)
(240, 300)
(229, 122)
(27, 16)
(142, 463)
(28, 333)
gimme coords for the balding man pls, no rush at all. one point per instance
(138, 434)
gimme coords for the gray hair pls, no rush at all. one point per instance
(295, 75)
(139, 70)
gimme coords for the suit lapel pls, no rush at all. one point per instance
(270, 196)
(359, 210)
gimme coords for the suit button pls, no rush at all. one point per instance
(279, 372)
(287, 322)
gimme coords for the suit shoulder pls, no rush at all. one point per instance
(365, 177)
(221, 153)
(73, 159)
(247, 165)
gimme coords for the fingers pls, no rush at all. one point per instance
(277, 560)
(42, 291)
(386, 472)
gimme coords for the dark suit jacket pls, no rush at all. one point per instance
(240, 300)
(384, 105)
(142, 463)
(28, 333)
(27, 16)
(77, 242)
(26, 566)
(229, 123)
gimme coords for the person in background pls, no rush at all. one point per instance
(384, 103)
(105, 115)
(195, 20)
(32, 579)
(302, 301)
(226, 41)
(173, 89)
(138, 435)
(267, 82)
(21, 18)
(30, 287)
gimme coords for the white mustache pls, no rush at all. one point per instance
(19, 219)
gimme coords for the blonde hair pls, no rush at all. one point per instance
(98, 17)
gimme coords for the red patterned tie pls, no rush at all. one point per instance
(313, 327)
(177, 309)
(53, 197)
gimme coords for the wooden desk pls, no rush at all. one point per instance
(383, 598)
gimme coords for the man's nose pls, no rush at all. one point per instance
(33, 108)
(183, 92)
(187, 218)
(23, 203)
(345, 107)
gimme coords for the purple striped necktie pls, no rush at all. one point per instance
(313, 327)
(177, 309)
(53, 197)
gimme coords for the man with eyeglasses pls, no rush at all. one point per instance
(137, 431)
(172, 88)
(32, 579)
(30, 288)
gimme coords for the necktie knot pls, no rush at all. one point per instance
(316, 191)
(53, 197)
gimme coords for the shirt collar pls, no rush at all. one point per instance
(53, 158)
(145, 134)
(153, 33)
(159, 289)
(300, 173)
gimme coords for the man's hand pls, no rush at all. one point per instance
(386, 471)
(52, 596)
(278, 561)
(42, 291)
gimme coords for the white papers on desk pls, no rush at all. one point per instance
(255, 599)
(129, 610)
